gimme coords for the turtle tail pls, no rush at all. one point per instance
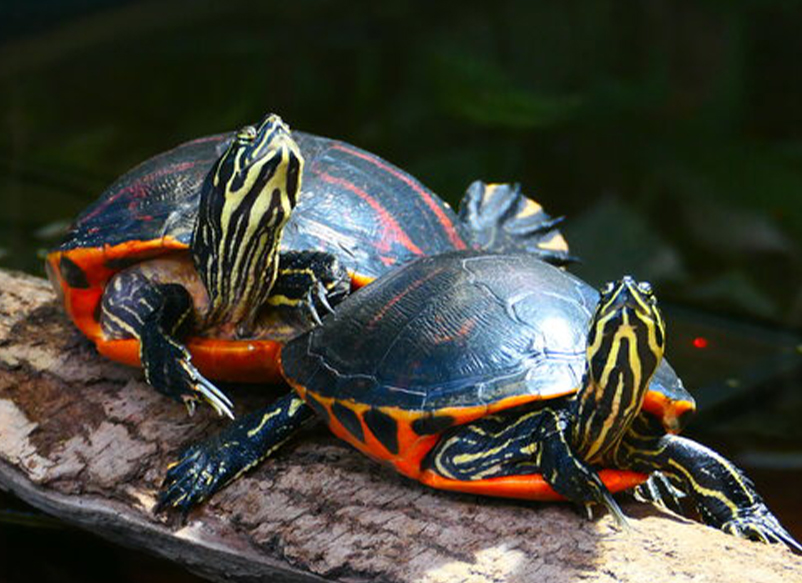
(503, 219)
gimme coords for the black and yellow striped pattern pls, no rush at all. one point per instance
(246, 201)
(722, 494)
(496, 445)
(625, 345)
(157, 314)
(206, 467)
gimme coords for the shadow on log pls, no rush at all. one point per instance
(86, 440)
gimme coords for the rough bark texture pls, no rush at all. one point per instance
(88, 441)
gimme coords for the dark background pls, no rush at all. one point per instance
(668, 132)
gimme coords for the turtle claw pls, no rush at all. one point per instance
(759, 524)
(322, 297)
(317, 295)
(788, 540)
(312, 310)
(614, 509)
(535, 225)
(169, 370)
(190, 404)
(213, 396)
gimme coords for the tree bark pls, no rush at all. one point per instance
(86, 440)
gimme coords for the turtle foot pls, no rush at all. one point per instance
(200, 472)
(502, 218)
(759, 524)
(205, 468)
(169, 370)
(659, 491)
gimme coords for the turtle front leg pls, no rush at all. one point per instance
(724, 496)
(158, 315)
(659, 490)
(311, 281)
(565, 471)
(205, 468)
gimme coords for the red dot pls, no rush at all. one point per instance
(700, 342)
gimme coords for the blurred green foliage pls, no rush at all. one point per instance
(669, 112)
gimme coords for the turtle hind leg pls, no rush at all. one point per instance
(205, 468)
(502, 219)
(520, 454)
(158, 315)
(724, 496)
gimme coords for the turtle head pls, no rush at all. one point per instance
(265, 151)
(626, 341)
(626, 318)
(246, 200)
(257, 180)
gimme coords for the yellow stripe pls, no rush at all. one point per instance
(282, 300)
(238, 290)
(699, 489)
(262, 422)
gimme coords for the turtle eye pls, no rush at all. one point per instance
(246, 134)
(608, 288)
(645, 288)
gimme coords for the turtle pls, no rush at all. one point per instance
(202, 261)
(498, 375)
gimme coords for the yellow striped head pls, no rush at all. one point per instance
(258, 158)
(626, 342)
(246, 201)
(627, 332)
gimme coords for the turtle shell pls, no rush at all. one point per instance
(367, 212)
(449, 339)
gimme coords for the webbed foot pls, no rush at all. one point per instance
(759, 524)
(205, 468)
(502, 218)
(200, 472)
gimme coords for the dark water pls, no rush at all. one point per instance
(669, 133)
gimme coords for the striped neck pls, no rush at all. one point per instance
(625, 346)
(246, 201)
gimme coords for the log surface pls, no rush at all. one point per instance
(86, 440)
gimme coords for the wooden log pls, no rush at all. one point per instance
(86, 440)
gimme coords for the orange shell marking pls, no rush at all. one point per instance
(83, 303)
(229, 360)
(673, 413)
(248, 361)
(413, 447)
(528, 487)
